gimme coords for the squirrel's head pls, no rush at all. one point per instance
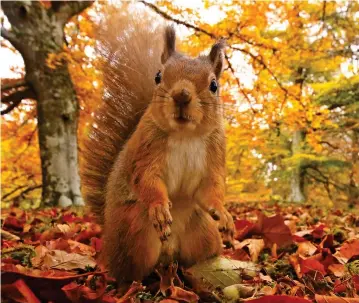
(186, 97)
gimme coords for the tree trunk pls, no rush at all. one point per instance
(36, 32)
(297, 179)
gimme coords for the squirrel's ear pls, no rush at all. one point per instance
(216, 56)
(170, 43)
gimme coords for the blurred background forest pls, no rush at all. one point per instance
(290, 89)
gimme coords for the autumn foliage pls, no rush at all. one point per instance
(288, 92)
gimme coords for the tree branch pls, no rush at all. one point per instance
(15, 99)
(9, 36)
(170, 18)
(29, 189)
(64, 10)
(239, 84)
(324, 8)
(13, 84)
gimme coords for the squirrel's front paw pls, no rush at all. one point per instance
(225, 223)
(161, 218)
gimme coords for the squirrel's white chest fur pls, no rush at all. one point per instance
(186, 165)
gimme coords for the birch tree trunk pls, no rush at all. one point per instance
(297, 179)
(37, 31)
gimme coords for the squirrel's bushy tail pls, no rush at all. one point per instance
(130, 45)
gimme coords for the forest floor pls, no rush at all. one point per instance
(283, 253)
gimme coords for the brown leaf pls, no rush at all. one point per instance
(337, 269)
(255, 246)
(60, 259)
(306, 249)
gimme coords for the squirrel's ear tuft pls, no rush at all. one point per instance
(170, 43)
(216, 57)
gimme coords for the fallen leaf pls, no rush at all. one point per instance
(348, 250)
(180, 294)
(60, 259)
(334, 299)
(19, 292)
(308, 265)
(306, 249)
(243, 227)
(338, 270)
(279, 299)
(273, 229)
(255, 246)
(219, 272)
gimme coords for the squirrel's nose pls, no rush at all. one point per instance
(182, 98)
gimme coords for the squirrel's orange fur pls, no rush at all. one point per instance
(154, 170)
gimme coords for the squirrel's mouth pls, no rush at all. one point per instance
(182, 118)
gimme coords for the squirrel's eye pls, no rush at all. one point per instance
(158, 77)
(213, 86)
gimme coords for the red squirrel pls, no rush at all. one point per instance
(154, 162)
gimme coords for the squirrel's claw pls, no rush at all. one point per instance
(225, 224)
(161, 219)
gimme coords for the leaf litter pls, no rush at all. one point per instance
(285, 253)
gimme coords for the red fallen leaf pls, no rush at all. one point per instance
(348, 250)
(243, 227)
(19, 292)
(239, 254)
(318, 232)
(8, 243)
(72, 291)
(308, 265)
(10, 261)
(337, 269)
(96, 243)
(355, 280)
(327, 242)
(70, 218)
(92, 230)
(298, 239)
(108, 299)
(11, 222)
(279, 299)
(340, 286)
(333, 299)
(168, 301)
(180, 294)
(46, 285)
(273, 230)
